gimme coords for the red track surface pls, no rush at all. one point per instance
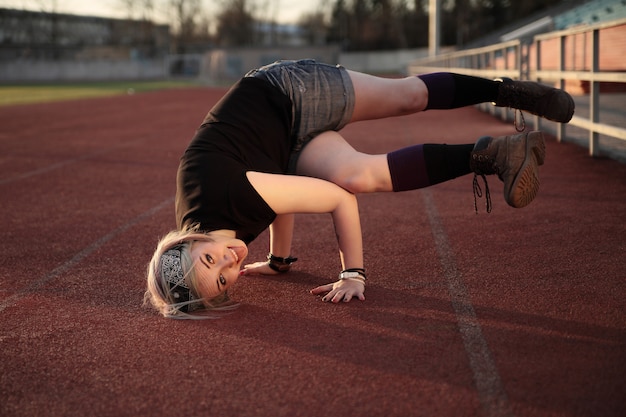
(520, 312)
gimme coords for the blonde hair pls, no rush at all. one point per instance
(159, 293)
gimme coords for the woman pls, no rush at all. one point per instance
(270, 148)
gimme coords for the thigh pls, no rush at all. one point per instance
(330, 157)
(378, 97)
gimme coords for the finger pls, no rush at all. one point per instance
(347, 298)
(248, 270)
(330, 297)
(254, 265)
(258, 268)
(321, 289)
(335, 297)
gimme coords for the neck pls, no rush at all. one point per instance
(222, 233)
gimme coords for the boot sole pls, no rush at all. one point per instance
(560, 110)
(525, 187)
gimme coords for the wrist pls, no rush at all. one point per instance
(353, 273)
(279, 264)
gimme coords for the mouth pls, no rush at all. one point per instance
(238, 252)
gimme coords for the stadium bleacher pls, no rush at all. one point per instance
(590, 13)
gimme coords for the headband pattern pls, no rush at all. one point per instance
(172, 271)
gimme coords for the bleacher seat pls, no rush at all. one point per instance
(595, 11)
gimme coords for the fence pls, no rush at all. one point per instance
(586, 60)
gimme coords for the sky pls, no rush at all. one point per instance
(286, 11)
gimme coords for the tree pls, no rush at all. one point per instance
(414, 26)
(184, 15)
(314, 26)
(138, 9)
(338, 31)
(235, 24)
(390, 24)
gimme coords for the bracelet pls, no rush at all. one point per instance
(279, 264)
(353, 273)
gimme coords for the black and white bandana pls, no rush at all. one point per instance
(172, 270)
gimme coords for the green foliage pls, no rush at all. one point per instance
(391, 24)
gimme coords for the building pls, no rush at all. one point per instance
(54, 36)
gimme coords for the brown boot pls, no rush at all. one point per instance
(552, 103)
(515, 159)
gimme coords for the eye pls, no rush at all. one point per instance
(222, 280)
(209, 258)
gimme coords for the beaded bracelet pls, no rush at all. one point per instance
(279, 264)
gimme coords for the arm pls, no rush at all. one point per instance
(288, 194)
(281, 232)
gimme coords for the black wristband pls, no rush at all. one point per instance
(279, 264)
(277, 259)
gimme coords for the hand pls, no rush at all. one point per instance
(342, 290)
(262, 268)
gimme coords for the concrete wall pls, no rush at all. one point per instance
(218, 66)
(46, 71)
(381, 62)
(226, 65)
(230, 64)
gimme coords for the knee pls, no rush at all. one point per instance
(415, 95)
(352, 184)
(363, 174)
(358, 182)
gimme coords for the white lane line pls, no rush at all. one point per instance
(61, 164)
(491, 393)
(42, 170)
(76, 259)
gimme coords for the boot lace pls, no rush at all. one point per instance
(519, 127)
(515, 98)
(478, 193)
(483, 165)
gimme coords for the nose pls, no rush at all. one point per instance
(231, 271)
(229, 259)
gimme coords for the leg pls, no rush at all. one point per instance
(330, 157)
(514, 159)
(377, 97)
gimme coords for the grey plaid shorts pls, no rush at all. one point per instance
(322, 97)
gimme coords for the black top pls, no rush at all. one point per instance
(247, 130)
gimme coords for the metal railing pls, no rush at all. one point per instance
(525, 61)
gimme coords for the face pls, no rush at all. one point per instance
(217, 264)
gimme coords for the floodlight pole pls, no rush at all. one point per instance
(433, 27)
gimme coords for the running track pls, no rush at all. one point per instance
(513, 313)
